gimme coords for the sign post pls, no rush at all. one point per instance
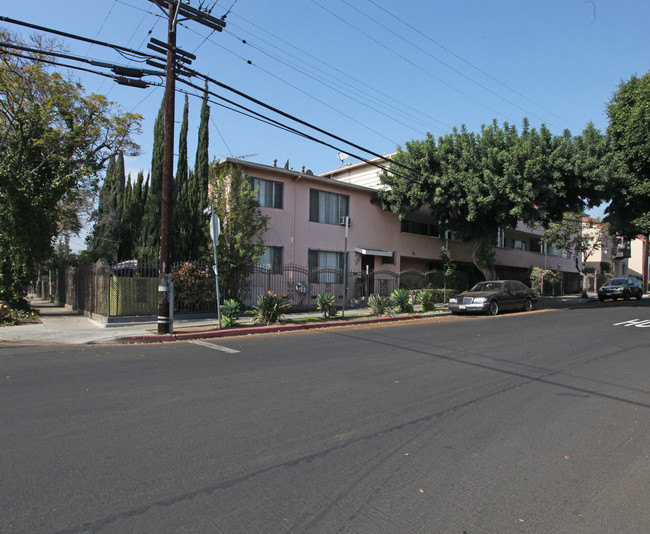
(215, 230)
(345, 266)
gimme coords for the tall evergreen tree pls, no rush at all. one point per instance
(182, 205)
(125, 247)
(199, 241)
(150, 240)
(103, 242)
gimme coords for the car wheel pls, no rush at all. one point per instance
(529, 305)
(639, 296)
(601, 299)
(493, 309)
(626, 295)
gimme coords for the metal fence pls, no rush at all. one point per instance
(131, 288)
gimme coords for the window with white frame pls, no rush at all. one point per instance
(268, 193)
(271, 259)
(327, 207)
(323, 259)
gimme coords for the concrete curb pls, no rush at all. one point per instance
(245, 331)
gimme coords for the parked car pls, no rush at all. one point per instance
(494, 296)
(620, 288)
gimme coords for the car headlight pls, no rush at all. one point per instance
(620, 289)
(480, 300)
(453, 300)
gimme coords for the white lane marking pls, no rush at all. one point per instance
(640, 323)
(215, 347)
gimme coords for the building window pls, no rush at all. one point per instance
(518, 244)
(268, 193)
(420, 228)
(323, 259)
(328, 208)
(271, 259)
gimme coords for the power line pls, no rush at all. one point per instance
(407, 60)
(479, 84)
(311, 65)
(142, 55)
(466, 61)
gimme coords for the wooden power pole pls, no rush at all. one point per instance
(175, 10)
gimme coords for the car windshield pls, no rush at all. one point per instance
(488, 286)
(616, 282)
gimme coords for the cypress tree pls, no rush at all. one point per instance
(150, 243)
(199, 192)
(125, 247)
(182, 205)
(103, 242)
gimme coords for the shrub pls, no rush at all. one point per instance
(12, 316)
(325, 303)
(426, 299)
(380, 305)
(401, 298)
(193, 286)
(270, 308)
(229, 312)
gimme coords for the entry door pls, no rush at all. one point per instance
(369, 263)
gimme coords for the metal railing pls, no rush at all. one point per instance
(131, 288)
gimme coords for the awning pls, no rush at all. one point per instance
(369, 252)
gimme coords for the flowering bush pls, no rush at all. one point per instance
(193, 286)
(270, 308)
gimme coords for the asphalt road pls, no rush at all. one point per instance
(532, 423)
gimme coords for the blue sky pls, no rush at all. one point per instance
(375, 72)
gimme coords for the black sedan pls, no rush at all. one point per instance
(620, 288)
(494, 296)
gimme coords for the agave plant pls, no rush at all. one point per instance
(325, 303)
(402, 300)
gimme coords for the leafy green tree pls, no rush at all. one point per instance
(150, 238)
(580, 236)
(629, 133)
(478, 183)
(54, 141)
(448, 268)
(242, 227)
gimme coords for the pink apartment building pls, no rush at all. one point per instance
(307, 228)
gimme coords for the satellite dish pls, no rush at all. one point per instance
(342, 156)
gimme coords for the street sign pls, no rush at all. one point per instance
(215, 227)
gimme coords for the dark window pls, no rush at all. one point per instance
(325, 259)
(271, 259)
(420, 228)
(327, 207)
(388, 260)
(268, 193)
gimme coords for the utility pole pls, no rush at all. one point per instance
(174, 10)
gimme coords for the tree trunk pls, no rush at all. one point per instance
(483, 257)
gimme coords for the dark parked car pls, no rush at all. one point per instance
(494, 296)
(621, 288)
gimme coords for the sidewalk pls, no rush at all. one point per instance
(62, 326)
